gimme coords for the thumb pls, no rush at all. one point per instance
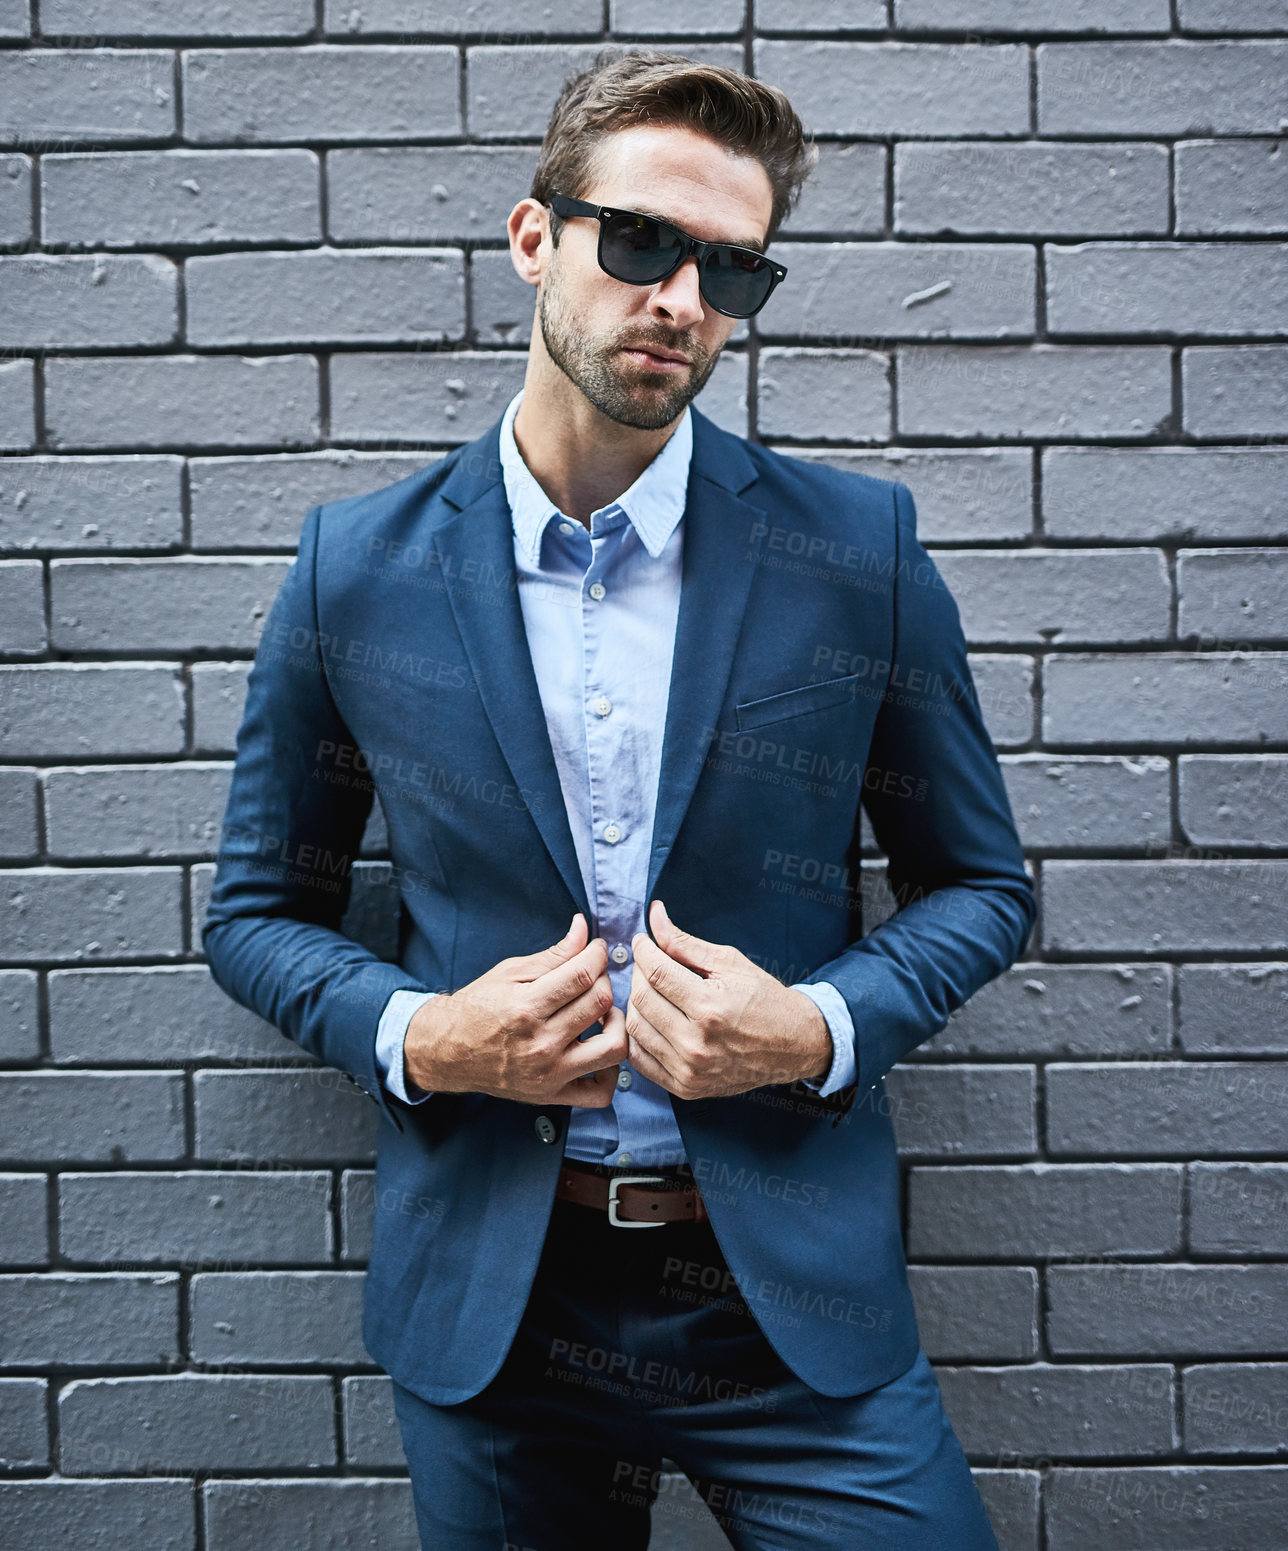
(694, 952)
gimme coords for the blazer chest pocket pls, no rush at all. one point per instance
(795, 702)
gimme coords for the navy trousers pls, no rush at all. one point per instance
(636, 1345)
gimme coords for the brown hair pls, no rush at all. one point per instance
(623, 88)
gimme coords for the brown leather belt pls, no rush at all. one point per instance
(632, 1200)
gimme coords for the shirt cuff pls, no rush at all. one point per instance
(391, 1033)
(844, 1068)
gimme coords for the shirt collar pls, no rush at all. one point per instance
(654, 503)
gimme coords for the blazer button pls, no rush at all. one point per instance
(547, 1130)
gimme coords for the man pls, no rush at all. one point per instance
(608, 656)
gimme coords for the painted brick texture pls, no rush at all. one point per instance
(252, 258)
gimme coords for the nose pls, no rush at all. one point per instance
(679, 296)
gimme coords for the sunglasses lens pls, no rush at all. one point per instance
(736, 280)
(638, 249)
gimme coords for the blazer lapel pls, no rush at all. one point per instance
(474, 544)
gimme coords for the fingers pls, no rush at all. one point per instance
(590, 1066)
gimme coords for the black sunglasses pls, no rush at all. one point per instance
(641, 250)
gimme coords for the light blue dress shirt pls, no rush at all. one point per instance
(599, 609)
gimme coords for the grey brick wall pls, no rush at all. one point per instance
(252, 257)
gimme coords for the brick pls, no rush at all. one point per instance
(1239, 1210)
(19, 1012)
(1158, 907)
(1192, 493)
(164, 1013)
(357, 1200)
(63, 97)
(960, 1111)
(1035, 188)
(15, 194)
(1164, 88)
(135, 810)
(1173, 1110)
(510, 88)
(277, 1317)
(501, 304)
(24, 1228)
(1166, 697)
(468, 16)
(218, 700)
(1125, 288)
(193, 1421)
(17, 406)
(62, 1320)
(1236, 1408)
(73, 913)
(844, 195)
(844, 395)
(260, 502)
(1056, 391)
(307, 1117)
(1165, 1310)
(92, 1117)
(22, 607)
(91, 503)
(1011, 1500)
(658, 17)
(1228, 800)
(819, 15)
(1004, 689)
(1235, 391)
(78, 302)
(24, 1437)
(185, 18)
(371, 1437)
(428, 397)
(425, 193)
(15, 19)
(181, 198)
(200, 1217)
(1030, 16)
(1234, 1009)
(1089, 801)
(1043, 1211)
(1035, 1010)
(188, 604)
(909, 290)
(1177, 1507)
(1226, 187)
(976, 1313)
(1059, 596)
(903, 89)
(41, 1514)
(59, 710)
(1066, 1412)
(1233, 15)
(321, 92)
(182, 401)
(268, 1513)
(328, 295)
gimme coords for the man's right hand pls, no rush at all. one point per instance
(513, 1031)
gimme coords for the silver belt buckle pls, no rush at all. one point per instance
(631, 1179)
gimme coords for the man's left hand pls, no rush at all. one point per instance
(704, 1022)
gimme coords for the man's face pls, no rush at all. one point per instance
(589, 321)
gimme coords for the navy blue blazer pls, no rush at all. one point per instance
(819, 664)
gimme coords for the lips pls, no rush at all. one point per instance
(665, 355)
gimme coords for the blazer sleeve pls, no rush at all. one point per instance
(291, 830)
(964, 902)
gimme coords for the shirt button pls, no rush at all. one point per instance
(624, 1079)
(565, 527)
(612, 834)
(597, 590)
(603, 705)
(625, 1158)
(620, 953)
